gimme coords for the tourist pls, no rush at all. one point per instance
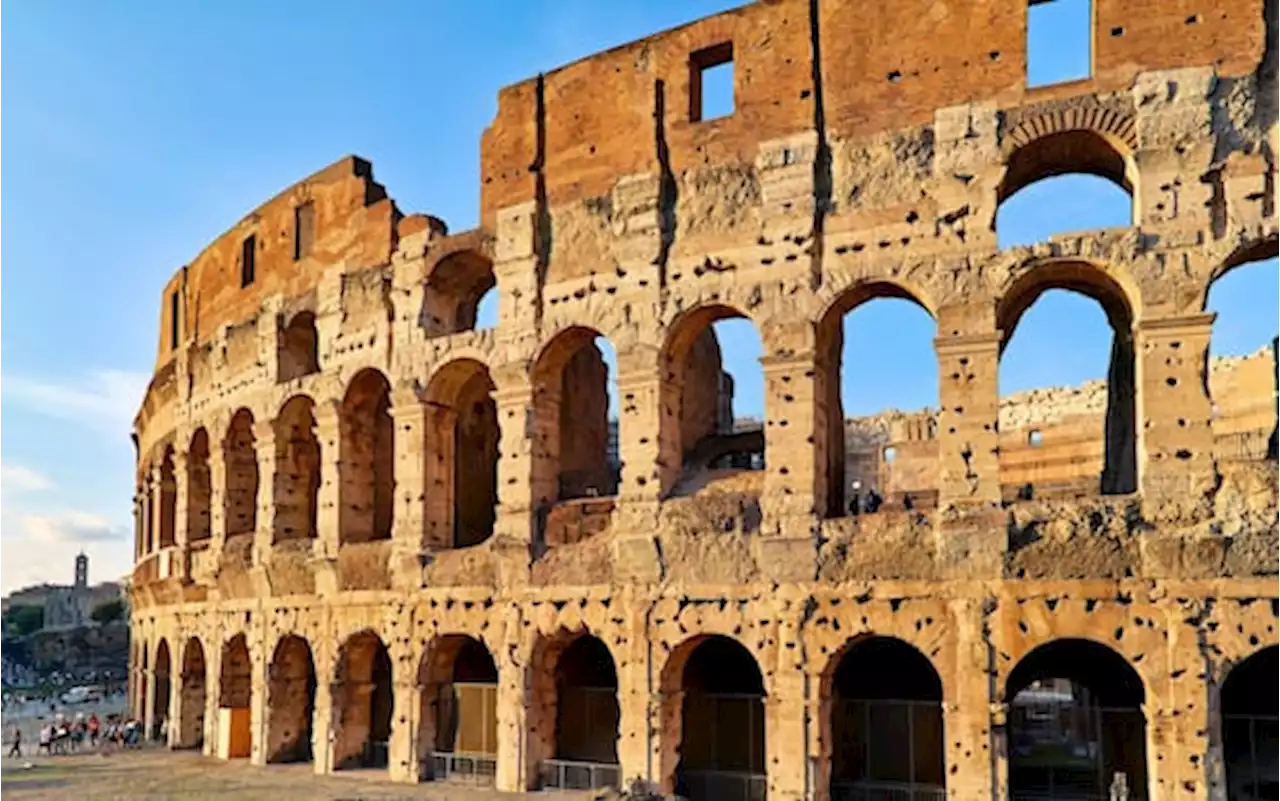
(46, 739)
(15, 750)
(855, 499)
(93, 726)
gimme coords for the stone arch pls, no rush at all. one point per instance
(458, 720)
(883, 725)
(1119, 300)
(194, 680)
(291, 700)
(1066, 694)
(573, 718)
(463, 442)
(163, 684)
(299, 347)
(455, 287)
(363, 701)
(713, 726)
(199, 488)
(297, 476)
(1050, 146)
(698, 429)
(1250, 736)
(235, 695)
(868, 467)
(367, 464)
(571, 409)
(240, 496)
(1244, 420)
(168, 500)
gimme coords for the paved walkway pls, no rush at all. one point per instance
(152, 775)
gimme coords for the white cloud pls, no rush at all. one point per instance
(106, 400)
(69, 527)
(17, 478)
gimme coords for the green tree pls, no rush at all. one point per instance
(23, 619)
(108, 612)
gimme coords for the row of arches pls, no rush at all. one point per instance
(1075, 723)
(576, 419)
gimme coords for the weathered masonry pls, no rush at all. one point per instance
(370, 535)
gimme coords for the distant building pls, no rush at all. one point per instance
(68, 606)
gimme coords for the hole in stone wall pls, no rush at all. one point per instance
(1059, 41)
(248, 256)
(711, 81)
(304, 229)
(1035, 438)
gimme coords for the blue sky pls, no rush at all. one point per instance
(139, 131)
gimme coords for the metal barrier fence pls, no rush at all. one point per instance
(885, 791)
(721, 785)
(568, 774)
(475, 768)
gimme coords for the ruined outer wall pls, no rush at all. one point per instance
(830, 185)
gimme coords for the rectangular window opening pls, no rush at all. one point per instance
(175, 328)
(1059, 41)
(247, 251)
(711, 83)
(304, 229)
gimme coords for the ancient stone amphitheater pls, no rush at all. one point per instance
(372, 536)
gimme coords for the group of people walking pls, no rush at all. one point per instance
(62, 736)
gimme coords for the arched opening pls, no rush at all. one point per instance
(299, 347)
(456, 288)
(1068, 410)
(716, 738)
(291, 701)
(575, 403)
(458, 724)
(1243, 377)
(368, 460)
(714, 394)
(574, 722)
(488, 309)
(886, 730)
(881, 417)
(194, 678)
(1250, 738)
(168, 500)
(1075, 722)
(240, 454)
(364, 703)
(160, 704)
(297, 478)
(462, 469)
(235, 692)
(1063, 182)
(199, 489)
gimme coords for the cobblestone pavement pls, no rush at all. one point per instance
(152, 775)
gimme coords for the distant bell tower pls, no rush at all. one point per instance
(82, 571)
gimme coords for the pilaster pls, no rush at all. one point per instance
(328, 416)
(264, 445)
(403, 761)
(408, 534)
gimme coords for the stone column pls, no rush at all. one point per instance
(971, 543)
(176, 703)
(525, 491)
(322, 716)
(649, 448)
(513, 703)
(259, 664)
(149, 712)
(967, 709)
(786, 755)
(151, 517)
(439, 477)
(795, 460)
(264, 445)
(181, 488)
(633, 696)
(138, 531)
(1174, 411)
(328, 416)
(217, 495)
(402, 758)
(409, 529)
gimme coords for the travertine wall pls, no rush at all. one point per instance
(862, 160)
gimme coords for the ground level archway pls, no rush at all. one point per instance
(194, 684)
(458, 721)
(160, 703)
(291, 701)
(235, 694)
(1250, 740)
(363, 703)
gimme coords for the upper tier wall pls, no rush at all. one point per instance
(884, 66)
(354, 225)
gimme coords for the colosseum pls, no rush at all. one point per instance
(375, 536)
